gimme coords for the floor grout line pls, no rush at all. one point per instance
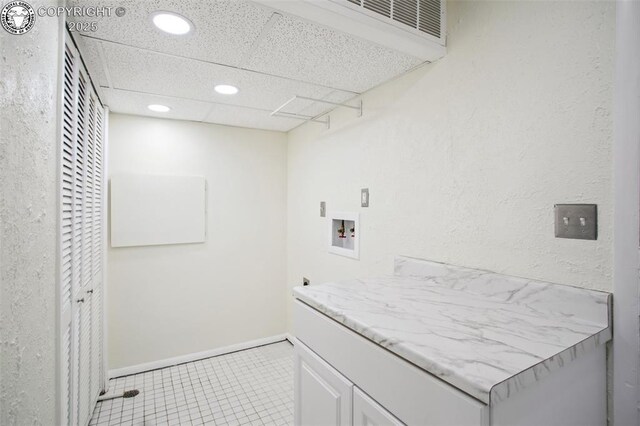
(249, 387)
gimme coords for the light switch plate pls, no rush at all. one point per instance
(364, 197)
(578, 221)
(323, 209)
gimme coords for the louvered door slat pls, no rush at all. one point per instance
(93, 194)
(87, 255)
(67, 179)
(79, 185)
(98, 191)
(83, 166)
(98, 241)
(66, 237)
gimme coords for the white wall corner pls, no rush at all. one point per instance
(626, 150)
(169, 362)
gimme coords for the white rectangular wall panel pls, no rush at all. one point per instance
(157, 209)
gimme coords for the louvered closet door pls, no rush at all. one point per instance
(68, 267)
(96, 247)
(81, 239)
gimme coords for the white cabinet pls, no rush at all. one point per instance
(323, 396)
(367, 412)
(342, 378)
(413, 396)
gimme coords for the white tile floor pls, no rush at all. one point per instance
(251, 387)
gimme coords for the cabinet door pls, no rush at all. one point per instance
(323, 397)
(367, 412)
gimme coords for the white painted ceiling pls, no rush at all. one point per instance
(268, 55)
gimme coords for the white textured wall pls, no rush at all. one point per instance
(465, 158)
(28, 217)
(166, 301)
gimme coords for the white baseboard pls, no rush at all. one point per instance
(168, 362)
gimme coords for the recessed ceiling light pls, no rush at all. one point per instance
(159, 108)
(226, 89)
(171, 23)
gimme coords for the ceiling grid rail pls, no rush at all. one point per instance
(278, 112)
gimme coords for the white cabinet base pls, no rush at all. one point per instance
(413, 396)
(343, 378)
(322, 395)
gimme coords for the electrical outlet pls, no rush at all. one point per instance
(305, 281)
(578, 221)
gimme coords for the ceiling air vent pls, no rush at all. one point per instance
(414, 27)
(381, 7)
(406, 12)
(430, 17)
(423, 15)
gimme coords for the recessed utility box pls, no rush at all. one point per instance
(344, 234)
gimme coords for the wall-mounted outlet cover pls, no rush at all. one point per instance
(364, 197)
(323, 209)
(305, 281)
(577, 221)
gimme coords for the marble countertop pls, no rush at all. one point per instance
(487, 334)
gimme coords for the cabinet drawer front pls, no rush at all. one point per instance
(323, 396)
(367, 412)
(413, 396)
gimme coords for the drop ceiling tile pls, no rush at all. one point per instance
(280, 56)
(312, 108)
(143, 71)
(224, 30)
(184, 109)
(243, 117)
(136, 103)
(91, 57)
(305, 51)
